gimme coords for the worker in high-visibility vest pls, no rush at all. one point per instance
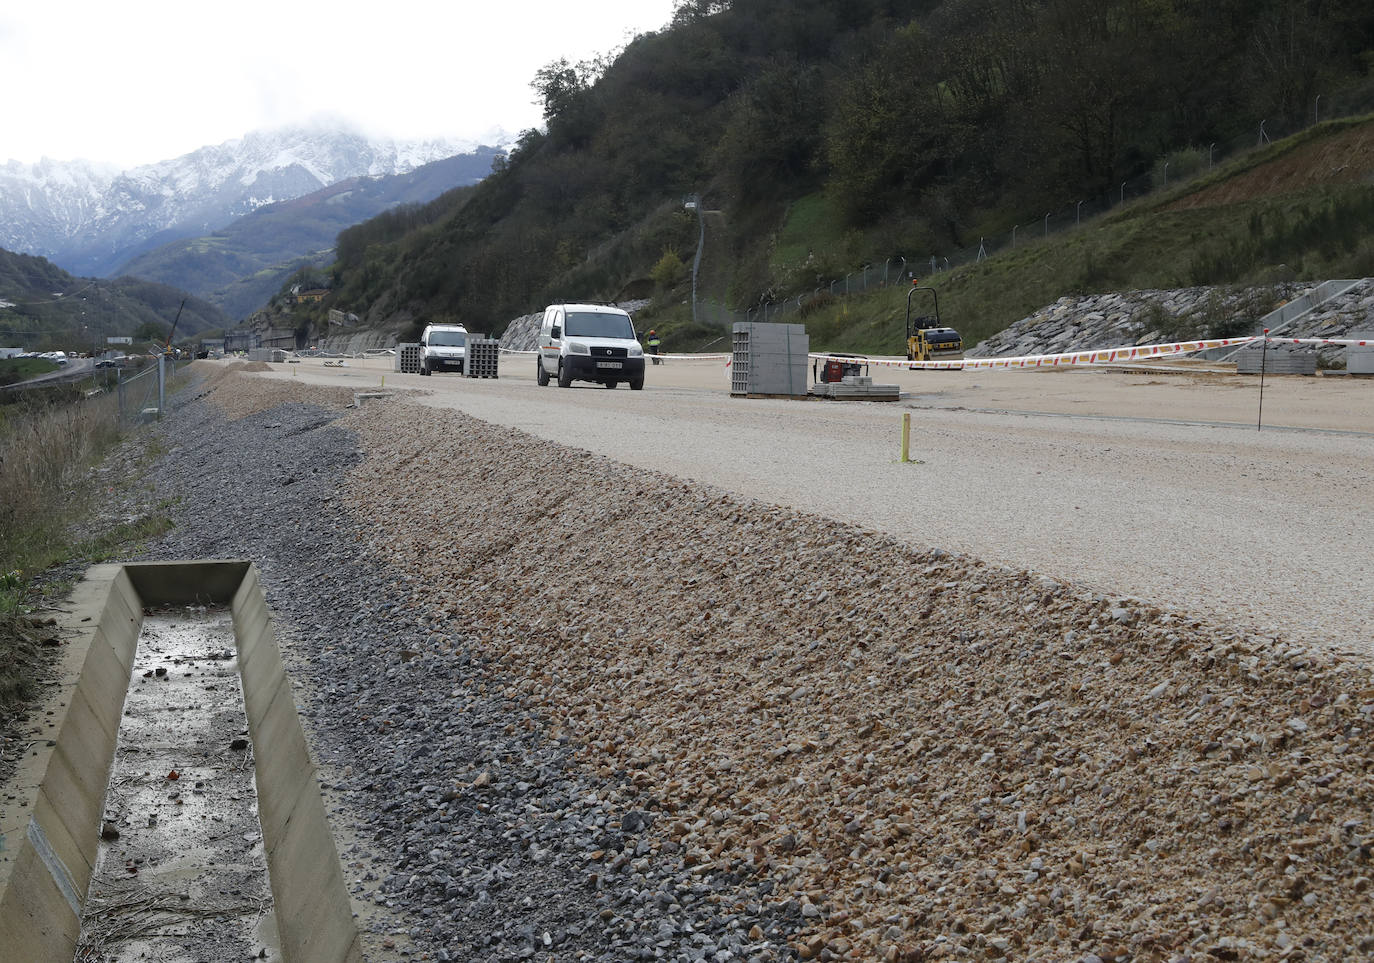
(652, 342)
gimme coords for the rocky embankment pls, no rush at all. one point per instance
(1084, 323)
(576, 710)
(929, 757)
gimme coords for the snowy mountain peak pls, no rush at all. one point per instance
(88, 217)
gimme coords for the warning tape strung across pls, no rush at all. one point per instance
(1143, 352)
(1098, 356)
(1345, 341)
(660, 357)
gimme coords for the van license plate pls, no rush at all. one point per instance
(608, 364)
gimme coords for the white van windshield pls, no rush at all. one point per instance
(449, 339)
(594, 324)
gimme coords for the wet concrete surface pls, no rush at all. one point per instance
(182, 876)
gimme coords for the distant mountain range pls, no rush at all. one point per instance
(94, 220)
(239, 267)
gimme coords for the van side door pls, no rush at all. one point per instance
(548, 344)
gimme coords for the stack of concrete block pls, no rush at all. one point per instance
(408, 357)
(1275, 361)
(483, 358)
(276, 355)
(856, 388)
(769, 359)
(1359, 359)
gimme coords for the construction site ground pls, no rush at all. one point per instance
(610, 675)
(1170, 483)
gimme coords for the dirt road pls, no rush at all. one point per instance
(1149, 485)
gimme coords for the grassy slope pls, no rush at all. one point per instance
(14, 370)
(56, 511)
(1165, 241)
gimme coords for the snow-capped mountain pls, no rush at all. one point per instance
(91, 218)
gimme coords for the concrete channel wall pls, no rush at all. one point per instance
(46, 866)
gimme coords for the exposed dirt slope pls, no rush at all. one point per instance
(1343, 158)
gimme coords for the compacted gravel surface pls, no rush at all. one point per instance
(570, 709)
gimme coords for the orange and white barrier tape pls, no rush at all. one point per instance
(1143, 352)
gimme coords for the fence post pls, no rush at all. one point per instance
(161, 384)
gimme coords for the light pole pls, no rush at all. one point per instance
(693, 203)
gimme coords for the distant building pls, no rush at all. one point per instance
(313, 294)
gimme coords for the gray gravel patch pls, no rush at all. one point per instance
(463, 823)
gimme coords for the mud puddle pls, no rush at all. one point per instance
(182, 876)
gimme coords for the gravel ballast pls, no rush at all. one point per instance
(570, 708)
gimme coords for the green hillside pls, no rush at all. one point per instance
(826, 136)
(43, 308)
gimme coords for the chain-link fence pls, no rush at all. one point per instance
(143, 395)
(1168, 171)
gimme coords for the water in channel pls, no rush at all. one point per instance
(182, 876)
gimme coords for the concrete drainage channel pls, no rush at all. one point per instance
(54, 823)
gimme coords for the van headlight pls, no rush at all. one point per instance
(636, 351)
(577, 347)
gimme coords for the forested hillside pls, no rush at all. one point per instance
(44, 308)
(895, 126)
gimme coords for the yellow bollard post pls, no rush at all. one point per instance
(906, 437)
(383, 381)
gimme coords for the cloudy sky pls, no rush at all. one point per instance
(149, 80)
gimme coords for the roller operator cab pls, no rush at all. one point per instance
(443, 346)
(589, 342)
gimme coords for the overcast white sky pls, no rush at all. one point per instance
(148, 80)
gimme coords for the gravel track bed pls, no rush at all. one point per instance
(555, 694)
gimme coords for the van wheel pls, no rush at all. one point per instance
(564, 375)
(541, 377)
(611, 384)
(637, 384)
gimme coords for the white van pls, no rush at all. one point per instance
(589, 342)
(443, 346)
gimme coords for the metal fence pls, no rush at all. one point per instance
(1169, 171)
(144, 395)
